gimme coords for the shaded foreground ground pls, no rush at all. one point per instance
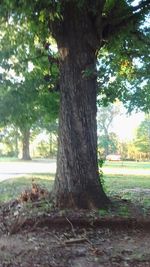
(33, 235)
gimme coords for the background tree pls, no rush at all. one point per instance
(106, 139)
(9, 138)
(52, 130)
(80, 28)
(108, 144)
(47, 146)
(123, 68)
(22, 107)
(123, 150)
(142, 141)
(24, 87)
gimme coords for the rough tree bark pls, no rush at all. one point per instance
(77, 183)
(25, 144)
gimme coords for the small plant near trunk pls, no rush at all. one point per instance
(123, 211)
(101, 174)
(103, 212)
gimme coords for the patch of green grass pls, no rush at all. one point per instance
(7, 159)
(129, 187)
(12, 188)
(127, 164)
(132, 187)
(103, 212)
(123, 211)
(116, 182)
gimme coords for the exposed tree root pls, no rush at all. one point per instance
(54, 221)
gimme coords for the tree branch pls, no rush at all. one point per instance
(142, 38)
(33, 58)
(143, 4)
(115, 21)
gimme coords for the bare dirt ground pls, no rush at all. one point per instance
(33, 235)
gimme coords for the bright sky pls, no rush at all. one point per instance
(125, 126)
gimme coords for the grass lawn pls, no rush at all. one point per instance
(133, 182)
(127, 186)
(135, 187)
(12, 188)
(7, 159)
(127, 165)
(116, 183)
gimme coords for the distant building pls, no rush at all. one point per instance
(113, 157)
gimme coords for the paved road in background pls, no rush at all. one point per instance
(19, 168)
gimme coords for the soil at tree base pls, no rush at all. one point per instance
(35, 237)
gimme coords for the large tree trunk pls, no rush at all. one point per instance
(77, 183)
(25, 144)
(16, 148)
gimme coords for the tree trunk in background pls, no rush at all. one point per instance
(77, 183)
(25, 144)
(16, 142)
(107, 144)
(50, 144)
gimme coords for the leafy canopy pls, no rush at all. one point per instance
(123, 52)
(24, 93)
(142, 141)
